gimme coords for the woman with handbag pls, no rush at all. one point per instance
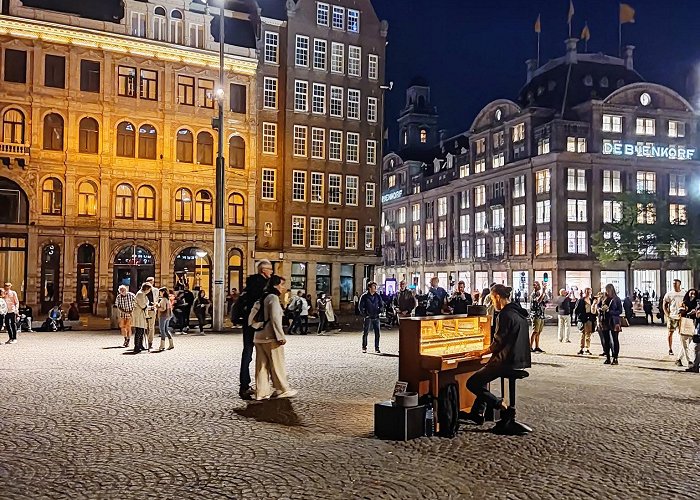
(165, 314)
(585, 319)
(610, 325)
(688, 311)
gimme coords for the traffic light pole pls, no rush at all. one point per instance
(219, 263)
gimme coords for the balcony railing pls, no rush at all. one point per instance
(14, 149)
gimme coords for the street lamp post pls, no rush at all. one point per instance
(219, 231)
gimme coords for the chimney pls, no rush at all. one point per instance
(531, 68)
(629, 57)
(571, 53)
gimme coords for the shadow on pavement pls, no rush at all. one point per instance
(276, 411)
(115, 347)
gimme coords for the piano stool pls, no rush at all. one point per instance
(511, 427)
(398, 423)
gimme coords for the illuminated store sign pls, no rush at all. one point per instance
(649, 151)
(394, 195)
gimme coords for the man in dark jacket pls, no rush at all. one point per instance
(460, 300)
(405, 301)
(436, 296)
(371, 305)
(510, 350)
(254, 286)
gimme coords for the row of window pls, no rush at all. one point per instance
(316, 189)
(643, 126)
(315, 235)
(130, 203)
(132, 82)
(145, 146)
(319, 58)
(166, 28)
(336, 18)
(335, 145)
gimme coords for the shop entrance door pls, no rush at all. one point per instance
(86, 278)
(50, 277)
(132, 265)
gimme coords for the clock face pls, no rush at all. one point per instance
(498, 115)
(645, 99)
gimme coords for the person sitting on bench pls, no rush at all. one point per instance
(510, 350)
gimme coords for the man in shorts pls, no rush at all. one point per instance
(538, 301)
(673, 301)
(125, 302)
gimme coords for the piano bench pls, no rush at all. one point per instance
(511, 426)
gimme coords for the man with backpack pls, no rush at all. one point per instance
(254, 286)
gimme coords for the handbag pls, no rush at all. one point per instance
(687, 327)
(623, 322)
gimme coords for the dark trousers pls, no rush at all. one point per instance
(138, 339)
(246, 357)
(478, 385)
(611, 342)
(304, 320)
(296, 324)
(186, 317)
(322, 321)
(374, 322)
(201, 318)
(11, 325)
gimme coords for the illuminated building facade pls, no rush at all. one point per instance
(108, 149)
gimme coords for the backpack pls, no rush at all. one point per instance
(238, 309)
(256, 318)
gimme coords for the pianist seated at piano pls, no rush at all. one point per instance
(510, 350)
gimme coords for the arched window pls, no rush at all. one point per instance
(126, 137)
(236, 209)
(53, 132)
(13, 127)
(202, 209)
(183, 205)
(184, 145)
(205, 148)
(176, 31)
(124, 203)
(52, 197)
(146, 203)
(148, 138)
(87, 199)
(236, 152)
(159, 30)
(89, 135)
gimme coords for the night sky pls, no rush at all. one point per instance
(473, 52)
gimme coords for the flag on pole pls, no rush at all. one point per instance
(538, 24)
(586, 33)
(571, 10)
(626, 13)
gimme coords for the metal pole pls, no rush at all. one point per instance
(219, 231)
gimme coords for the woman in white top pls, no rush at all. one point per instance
(304, 315)
(165, 314)
(269, 346)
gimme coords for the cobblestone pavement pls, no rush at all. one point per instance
(78, 419)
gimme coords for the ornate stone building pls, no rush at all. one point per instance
(108, 150)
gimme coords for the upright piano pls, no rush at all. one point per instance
(435, 351)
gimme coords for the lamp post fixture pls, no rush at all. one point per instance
(219, 261)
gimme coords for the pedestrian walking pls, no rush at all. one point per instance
(254, 287)
(201, 306)
(370, 308)
(537, 304)
(585, 319)
(695, 366)
(564, 316)
(648, 309)
(332, 324)
(672, 303)
(3, 311)
(165, 314)
(688, 310)
(321, 306)
(304, 315)
(294, 309)
(269, 346)
(125, 303)
(12, 302)
(139, 317)
(609, 324)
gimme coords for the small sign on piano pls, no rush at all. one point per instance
(399, 387)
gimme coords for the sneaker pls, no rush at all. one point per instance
(614, 361)
(679, 362)
(364, 350)
(538, 350)
(377, 351)
(580, 352)
(246, 394)
(601, 354)
(13, 341)
(568, 342)
(473, 418)
(508, 414)
(670, 352)
(588, 352)
(290, 393)
(607, 361)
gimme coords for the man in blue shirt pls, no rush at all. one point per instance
(436, 296)
(370, 306)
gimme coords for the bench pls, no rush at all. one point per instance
(68, 324)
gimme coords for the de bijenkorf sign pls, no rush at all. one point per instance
(649, 151)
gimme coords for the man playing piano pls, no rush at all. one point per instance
(510, 350)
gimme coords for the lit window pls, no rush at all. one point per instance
(577, 242)
(519, 186)
(543, 243)
(498, 160)
(333, 233)
(612, 123)
(318, 143)
(646, 214)
(87, 199)
(320, 50)
(612, 212)
(577, 210)
(542, 179)
(646, 126)
(611, 181)
(479, 166)
(268, 183)
(429, 235)
(353, 21)
(415, 211)
(146, 203)
(442, 229)
(369, 237)
(646, 182)
(270, 93)
(334, 188)
(124, 202)
(354, 61)
(518, 215)
(463, 171)
(480, 248)
(464, 224)
(322, 14)
(499, 244)
(317, 195)
(677, 185)
(52, 197)
(576, 180)
(479, 196)
(676, 129)
(519, 132)
(480, 146)
(300, 132)
(480, 224)
(678, 214)
(543, 209)
(464, 200)
(423, 136)
(351, 234)
(269, 138)
(298, 231)
(337, 57)
(543, 146)
(442, 206)
(316, 232)
(519, 244)
(298, 185)
(498, 218)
